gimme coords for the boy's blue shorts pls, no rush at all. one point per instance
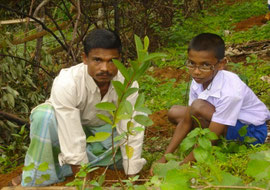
(259, 132)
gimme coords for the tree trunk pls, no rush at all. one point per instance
(192, 6)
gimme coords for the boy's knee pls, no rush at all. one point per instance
(198, 107)
(176, 113)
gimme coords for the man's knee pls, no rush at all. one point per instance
(176, 113)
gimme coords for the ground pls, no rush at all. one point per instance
(161, 129)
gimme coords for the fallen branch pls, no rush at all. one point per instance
(39, 22)
(14, 118)
(16, 21)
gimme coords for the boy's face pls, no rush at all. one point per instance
(203, 66)
(100, 65)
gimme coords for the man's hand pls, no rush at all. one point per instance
(161, 160)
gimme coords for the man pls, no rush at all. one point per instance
(60, 126)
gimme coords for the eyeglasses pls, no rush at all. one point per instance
(205, 67)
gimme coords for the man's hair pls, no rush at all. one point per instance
(101, 38)
(208, 42)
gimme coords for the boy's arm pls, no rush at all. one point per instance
(181, 131)
(217, 128)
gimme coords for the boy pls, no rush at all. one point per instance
(60, 126)
(218, 98)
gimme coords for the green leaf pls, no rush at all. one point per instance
(248, 139)
(187, 143)
(144, 110)
(139, 102)
(10, 100)
(130, 126)
(227, 179)
(174, 179)
(121, 68)
(101, 179)
(146, 43)
(129, 151)
(119, 87)
(129, 92)
(211, 136)
(161, 169)
(153, 56)
(143, 120)
(28, 179)
(43, 167)
(30, 81)
(12, 91)
(204, 143)
(200, 154)
(104, 118)
(194, 133)
(29, 167)
(142, 70)
(134, 65)
(259, 169)
(139, 47)
(107, 106)
(99, 136)
(138, 129)
(11, 124)
(243, 131)
(128, 107)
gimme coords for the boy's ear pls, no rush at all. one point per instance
(222, 63)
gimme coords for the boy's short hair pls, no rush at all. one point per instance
(101, 38)
(208, 42)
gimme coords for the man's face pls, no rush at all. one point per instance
(201, 60)
(100, 65)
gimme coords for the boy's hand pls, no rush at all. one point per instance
(161, 160)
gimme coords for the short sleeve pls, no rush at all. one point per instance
(227, 110)
(192, 96)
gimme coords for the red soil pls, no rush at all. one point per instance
(250, 22)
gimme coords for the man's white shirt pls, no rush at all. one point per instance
(232, 99)
(74, 95)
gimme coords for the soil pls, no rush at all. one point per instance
(250, 22)
(162, 128)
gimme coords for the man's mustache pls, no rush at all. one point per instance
(104, 74)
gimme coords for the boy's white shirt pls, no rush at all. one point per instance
(232, 99)
(74, 95)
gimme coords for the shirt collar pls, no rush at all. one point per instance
(214, 88)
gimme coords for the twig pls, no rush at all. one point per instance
(226, 187)
(43, 3)
(75, 30)
(115, 181)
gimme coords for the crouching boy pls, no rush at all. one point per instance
(218, 98)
